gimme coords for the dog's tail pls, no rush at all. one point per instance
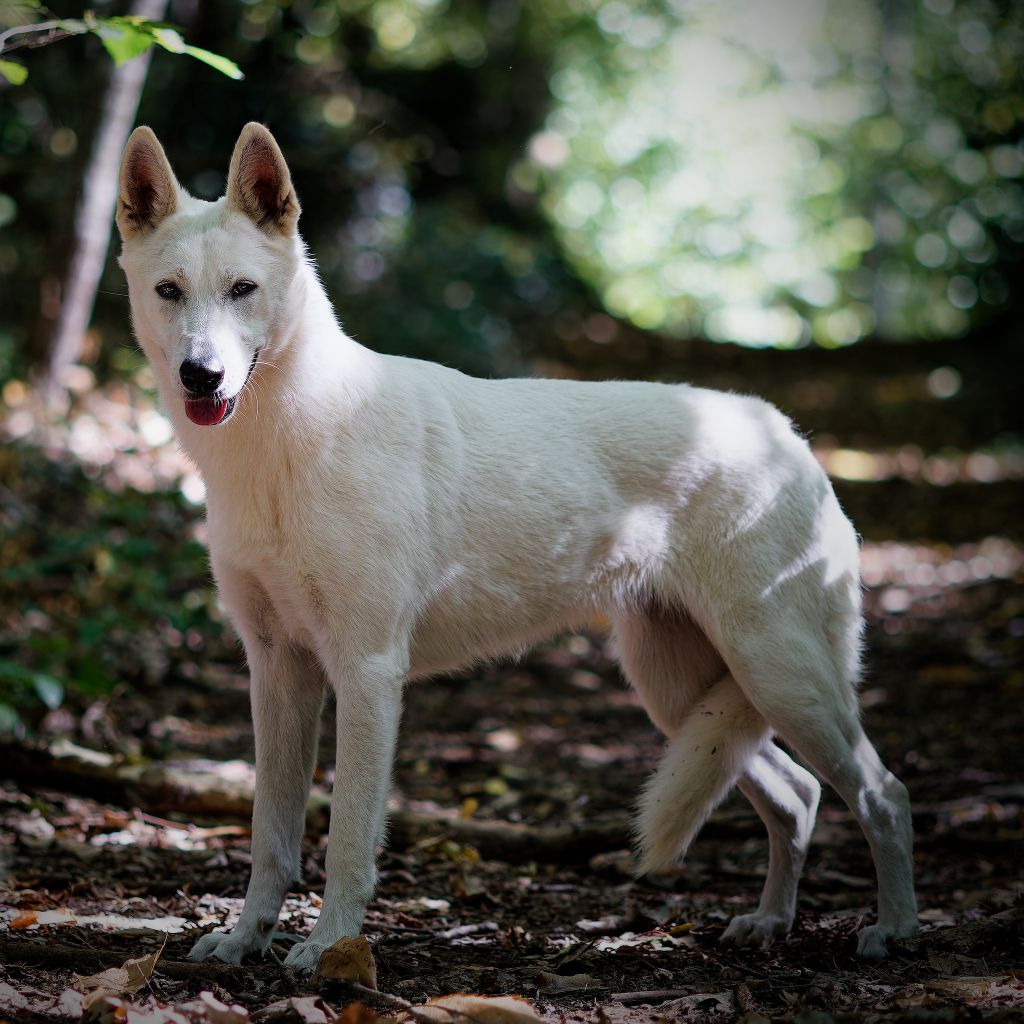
(703, 761)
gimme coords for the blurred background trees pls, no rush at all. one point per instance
(479, 176)
(818, 200)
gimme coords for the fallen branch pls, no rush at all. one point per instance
(49, 954)
(197, 789)
(513, 842)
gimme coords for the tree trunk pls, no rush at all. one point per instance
(96, 209)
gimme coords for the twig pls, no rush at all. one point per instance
(414, 1011)
(395, 1002)
(658, 995)
(468, 929)
(55, 29)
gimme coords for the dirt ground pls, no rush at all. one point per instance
(557, 746)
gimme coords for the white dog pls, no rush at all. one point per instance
(376, 519)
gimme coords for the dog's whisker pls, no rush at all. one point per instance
(249, 388)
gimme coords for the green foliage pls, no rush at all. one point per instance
(16, 74)
(22, 687)
(815, 170)
(128, 37)
(773, 173)
(123, 37)
(98, 588)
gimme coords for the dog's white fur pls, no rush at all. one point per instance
(375, 519)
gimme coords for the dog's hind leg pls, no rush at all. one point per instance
(672, 665)
(668, 660)
(286, 692)
(786, 798)
(797, 685)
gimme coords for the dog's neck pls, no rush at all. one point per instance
(310, 374)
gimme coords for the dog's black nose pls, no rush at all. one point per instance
(201, 378)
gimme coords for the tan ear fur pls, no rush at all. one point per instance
(259, 184)
(148, 188)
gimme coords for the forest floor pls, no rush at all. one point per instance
(556, 740)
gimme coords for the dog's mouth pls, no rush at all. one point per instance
(207, 412)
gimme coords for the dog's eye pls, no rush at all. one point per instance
(168, 290)
(241, 288)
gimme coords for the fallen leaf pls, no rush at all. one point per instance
(308, 1009)
(101, 1007)
(208, 1009)
(468, 888)
(548, 982)
(705, 1004)
(31, 918)
(460, 1009)
(630, 942)
(349, 959)
(124, 980)
(977, 991)
(423, 904)
(70, 1004)
(702, 1006)
(113, 981)
(104, 1008)
(360, 1013)
(11, 999)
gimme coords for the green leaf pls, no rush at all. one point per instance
(14, 73)
(215, 60)
(171, 40)
(124, 38)
(9, 719)
(18, 12)
(49, 690)
(13, 672)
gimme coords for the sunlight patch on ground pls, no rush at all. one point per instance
(19, 921)
(939, 565)
(909, 462)
(910, 584)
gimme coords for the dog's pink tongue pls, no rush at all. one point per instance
(205, 411)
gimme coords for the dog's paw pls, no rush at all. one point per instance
(755, 929)
(231, 947)
(304, 956)
(871, 941)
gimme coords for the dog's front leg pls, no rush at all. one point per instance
(369, 696)
(286, 691)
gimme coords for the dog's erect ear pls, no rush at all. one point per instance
(259, 184)
(149, 190)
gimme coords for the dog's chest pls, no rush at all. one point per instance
(311, 561)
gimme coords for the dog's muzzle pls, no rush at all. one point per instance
(202, 380)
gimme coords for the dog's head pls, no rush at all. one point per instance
(208, 281)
